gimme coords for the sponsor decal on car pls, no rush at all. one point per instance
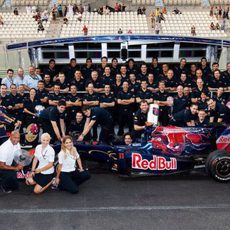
(157, 163)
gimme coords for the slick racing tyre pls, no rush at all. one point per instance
(218, 165)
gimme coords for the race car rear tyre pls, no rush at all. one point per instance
(218, 165)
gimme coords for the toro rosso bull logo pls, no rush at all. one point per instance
(157, 163)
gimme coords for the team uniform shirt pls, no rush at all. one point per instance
(32, 81)
(69, 71)
(102, 117)
(226, 77)
(73, 98)
(63, 85)
(180, 103)
(204, 123)
(30, 105)
(68, 161)
(41, 94)
(134, 87)
(139, 119)
(56, 97)
(155, 70)
(171, 83)
(7, 81)
(79, 84)
(184, 116)
(153, 85)
(125, 96)
(45, 157)
(86, 71)
(197, 92)
(12, 100)
(52, 72)
(91, 97)
(214, 83)
(142, 76)
(107, 80)
(96, 84)
(186, 83)
(52, 114)
(108, 99)
(202, 105)
(221, 111)
(5, 100)
(144, 95)
(48, 85)
(161, 96)
(8, 151)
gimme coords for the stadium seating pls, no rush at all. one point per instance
(219, 2)
(106, 24)
(29, 2)
(143, 2)
(21, 26)
(67, 2)
(182, 2)
(181, 24)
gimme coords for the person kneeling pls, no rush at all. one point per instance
(68, 177)
(42, 176)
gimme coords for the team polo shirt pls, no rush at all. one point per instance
(45, 157)
(68, 161)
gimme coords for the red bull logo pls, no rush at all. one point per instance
(224, 139)
(157, 163)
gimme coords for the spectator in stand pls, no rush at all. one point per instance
(157, 28)
(1, 20)
(9, 80)
(212, 26)
(217, 27)
(152, 19)
(60, 12)
(193, 30)
(16, 11)
(40, 27)
(65, 20)
(85, 30)
(120, 31)
(176, 11)
(117, 7)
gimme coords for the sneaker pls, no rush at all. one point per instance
(5, 191)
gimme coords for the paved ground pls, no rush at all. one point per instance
(109, 202)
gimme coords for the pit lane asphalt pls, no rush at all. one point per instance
(109, 202)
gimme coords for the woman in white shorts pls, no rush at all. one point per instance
(68, 176)
(42, 175)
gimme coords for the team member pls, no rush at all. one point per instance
(9, 80)
(186, 117)
(32, 78)
(7, 171)
(202, 119)
(140, 118)
(68, 176)
(97, 115)
(128, 140)
(41, 176)
(56, 96)
(52, 120)
(218, 112)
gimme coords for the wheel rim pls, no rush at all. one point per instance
(223, 168)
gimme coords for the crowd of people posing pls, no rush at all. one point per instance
(77, 99)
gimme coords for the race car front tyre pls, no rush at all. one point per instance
(218, 165)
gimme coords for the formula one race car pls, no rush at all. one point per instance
(168, 150)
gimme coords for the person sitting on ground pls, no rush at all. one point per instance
(65, 20)
(41, 176)
(7, 171)
(40, 26)
(68, 176)
(217, 26)
(85, 30)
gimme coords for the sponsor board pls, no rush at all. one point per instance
(157, 163)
